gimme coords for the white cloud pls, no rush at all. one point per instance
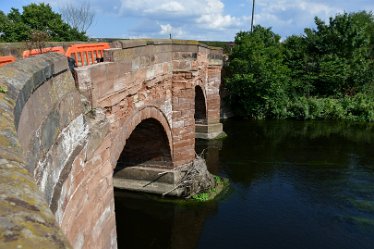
(207, 14)
(218, 22)
(180, 7)
(286, 16)
(167, 29)
(173, 6)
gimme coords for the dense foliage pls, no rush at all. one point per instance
(16, 26)
(328, 73)
(257, 73)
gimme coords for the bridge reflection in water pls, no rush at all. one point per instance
(145, 223)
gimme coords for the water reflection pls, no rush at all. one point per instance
(144, 222)
(294, 185)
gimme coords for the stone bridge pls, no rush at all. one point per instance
(63, 138)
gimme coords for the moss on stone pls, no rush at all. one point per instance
(3, 89)
(222, 184)
(221, 136)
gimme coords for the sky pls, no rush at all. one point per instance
(201, 19)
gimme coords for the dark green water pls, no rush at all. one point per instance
(293, 185)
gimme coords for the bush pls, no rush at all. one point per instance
(357, 108)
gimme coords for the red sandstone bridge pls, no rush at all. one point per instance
(61, 139)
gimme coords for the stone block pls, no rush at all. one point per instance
(125, 44)
(209, 131)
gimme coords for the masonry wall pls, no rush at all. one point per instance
(155, 78)
(25, 218)
(57, 140)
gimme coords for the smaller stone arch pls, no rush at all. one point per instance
(147, 146)
(200, 106)
(121, 137)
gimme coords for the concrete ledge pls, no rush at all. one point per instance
(150, 180)
(211, 131)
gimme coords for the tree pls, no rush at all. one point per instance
(12, 27)
(16, 26)
(340, 53)
(257, 79)
(296, 58)
(37, 40)
(41, 17)
(80, 18)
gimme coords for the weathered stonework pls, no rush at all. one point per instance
(51, 139)
(25, 219)
(156, 79)
(61, 140)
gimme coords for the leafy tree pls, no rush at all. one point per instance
(18, 26)
(301, 66)
(328, 73)
(14, 29)
(3, 22)
(257, 79)
(340, 54)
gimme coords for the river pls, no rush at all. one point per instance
(293, 185)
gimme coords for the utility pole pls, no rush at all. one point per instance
(253, 13)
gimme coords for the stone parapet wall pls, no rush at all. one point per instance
(25, 218)
(51, 143)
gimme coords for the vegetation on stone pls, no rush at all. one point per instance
(3, 89)
(220, 185)
(327, 73)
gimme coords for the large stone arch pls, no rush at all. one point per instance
(123, 133)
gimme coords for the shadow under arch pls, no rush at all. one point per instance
(120, 136)
(200, 106)
(148, 145)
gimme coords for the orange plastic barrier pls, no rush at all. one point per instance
(32, 52)
(6, 60)
(86, 54)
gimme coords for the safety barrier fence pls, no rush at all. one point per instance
(83, 54)
(87, 54)
(6, 60)
(32, 52)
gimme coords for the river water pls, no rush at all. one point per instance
(293, 185)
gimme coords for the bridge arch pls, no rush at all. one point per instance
(200, 105)
(147, 126)
(147, 146)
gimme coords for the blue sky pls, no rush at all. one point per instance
(201, 19)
